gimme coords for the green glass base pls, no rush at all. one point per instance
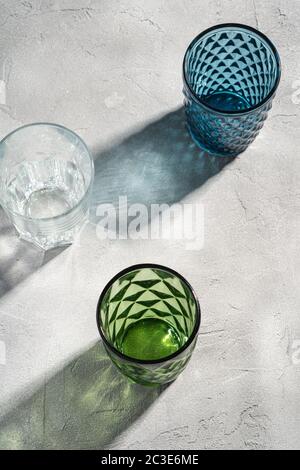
(150, 339)
(142, 382)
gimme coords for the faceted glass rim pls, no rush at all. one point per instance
(88, 189)
(137, 267)
(241, 27)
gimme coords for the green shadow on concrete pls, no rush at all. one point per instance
(86, 405)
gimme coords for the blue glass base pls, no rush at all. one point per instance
(209, 150)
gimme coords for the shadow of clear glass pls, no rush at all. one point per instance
(230, 75)
(46, 176)
(148, 317)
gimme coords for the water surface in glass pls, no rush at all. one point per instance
(46, 175)
(43, 189)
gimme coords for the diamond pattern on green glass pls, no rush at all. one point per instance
(149, 296)
(153, 375)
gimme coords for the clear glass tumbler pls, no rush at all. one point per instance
(230, 75)
(148, 317)
(46, 176)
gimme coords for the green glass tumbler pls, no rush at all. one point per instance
(148, 317)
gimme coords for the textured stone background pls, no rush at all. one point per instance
(111, 70)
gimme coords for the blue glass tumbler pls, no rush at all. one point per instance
(230, 75)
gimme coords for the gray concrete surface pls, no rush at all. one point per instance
(111, 70)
